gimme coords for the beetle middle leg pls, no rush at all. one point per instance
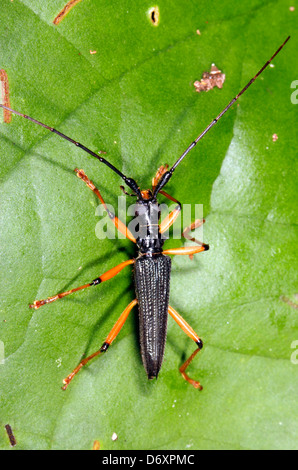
(110, 338)
(104, 277)
(170, 219)
(196, 224)
(186, 250)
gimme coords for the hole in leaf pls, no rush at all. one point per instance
(153, 14)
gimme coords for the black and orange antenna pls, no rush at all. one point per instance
(167, 175)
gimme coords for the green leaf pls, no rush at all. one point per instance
(134, 98)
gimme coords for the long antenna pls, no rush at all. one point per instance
(129, 181)
(169, 173)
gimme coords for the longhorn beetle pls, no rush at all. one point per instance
(152, 266)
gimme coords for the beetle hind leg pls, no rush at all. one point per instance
(110, 338)
(193, 335)
(182, 369)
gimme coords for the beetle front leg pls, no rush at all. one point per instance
(120, 226)
(170, 219)
(160, 172)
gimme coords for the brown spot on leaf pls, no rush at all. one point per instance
(210, 80)
(5, 95)
(65, 10)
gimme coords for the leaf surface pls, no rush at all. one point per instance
(134, 98)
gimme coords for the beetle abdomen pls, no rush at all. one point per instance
(152, 283)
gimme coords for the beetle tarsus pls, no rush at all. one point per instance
(195, 383)
(67, 381)
(38, 303)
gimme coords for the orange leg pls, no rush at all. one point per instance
(110, 338)
(104, 277)
(161, 170)
(118, 224)
(186, 250)
(196, 224)
(192, 334)
(170, 219)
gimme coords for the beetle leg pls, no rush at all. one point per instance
(192, 334)
(118, 224)
(104, 277)
(110, 338)
(196, 224)
(170, 219)
(186, 250)
(161, 170)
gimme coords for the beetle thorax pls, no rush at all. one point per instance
(147, 213)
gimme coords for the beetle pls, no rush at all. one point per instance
(152, 265)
